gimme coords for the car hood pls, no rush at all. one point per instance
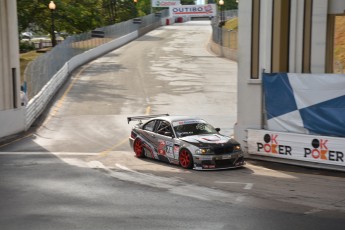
(207, 140)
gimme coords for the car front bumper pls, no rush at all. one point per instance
(213, 162)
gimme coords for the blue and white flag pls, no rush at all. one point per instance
(305, 103)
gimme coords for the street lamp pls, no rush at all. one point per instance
(52, 8)
(221, 3)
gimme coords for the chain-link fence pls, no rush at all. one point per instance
(42, 69)
(223, 36)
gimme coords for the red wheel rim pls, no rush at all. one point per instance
(185, 159)
(138, 148)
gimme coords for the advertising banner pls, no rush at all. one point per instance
(317, 149)
(165, 3)
(208, 10)
(305, 103)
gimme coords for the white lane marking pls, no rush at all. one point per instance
(172, 185)
(312, 211)
(247, 186)
(176, 186)
(269, 172)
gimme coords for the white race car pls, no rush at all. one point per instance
(188, 141)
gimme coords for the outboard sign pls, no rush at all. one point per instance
(165, 3)
(208, 10)
(312, 148)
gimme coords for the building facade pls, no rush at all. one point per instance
(291, 36)
(11, 111)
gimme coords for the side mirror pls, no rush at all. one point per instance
(217, 129)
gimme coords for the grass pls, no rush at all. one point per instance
(231, 24)
(25, 59)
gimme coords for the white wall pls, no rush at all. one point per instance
(296, 36)
(9, 55)
(249, 112)
(318, 40)
(11, 119)
(336, 7)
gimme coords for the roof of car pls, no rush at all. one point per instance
(177, 118)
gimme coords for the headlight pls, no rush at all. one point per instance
(237, 147)
(202, 151)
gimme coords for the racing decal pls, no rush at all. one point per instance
(161, 147)
(208, 166)
(213, 138)
(166, 148)
(148, 151)
(176, 151)
(177, 123)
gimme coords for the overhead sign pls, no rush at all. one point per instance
(165, 3)
(194, 10)
(317, 149)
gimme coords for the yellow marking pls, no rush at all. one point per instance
(62, 99)
(55, 110)
(16, 140)
(105, 152)
(148, 110)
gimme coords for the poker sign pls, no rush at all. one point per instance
(318, 149)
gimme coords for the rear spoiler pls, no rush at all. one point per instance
(146, 117)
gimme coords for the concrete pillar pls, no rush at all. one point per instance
(12, 114)
(9, 60)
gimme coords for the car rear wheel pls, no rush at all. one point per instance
(186, 159)
(138, 148)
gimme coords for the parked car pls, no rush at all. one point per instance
(188, 141)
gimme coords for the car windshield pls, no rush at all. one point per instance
(193, 127)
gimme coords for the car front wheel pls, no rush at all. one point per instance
(138, 148)
(186, 159)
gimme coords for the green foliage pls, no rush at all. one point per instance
(143, 7)
(228, 4)
(74, 16)
(26, 46)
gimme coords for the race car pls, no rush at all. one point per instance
(187, 141)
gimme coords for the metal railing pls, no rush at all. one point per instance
(222, 36)
(42, 69)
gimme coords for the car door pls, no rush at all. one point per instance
(150, 139)
(165, 141)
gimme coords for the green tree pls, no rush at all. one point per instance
(73, 16)
(144, 7)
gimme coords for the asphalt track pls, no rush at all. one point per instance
(75, 170)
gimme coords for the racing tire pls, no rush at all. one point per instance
(186, 159)
(138, 148)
